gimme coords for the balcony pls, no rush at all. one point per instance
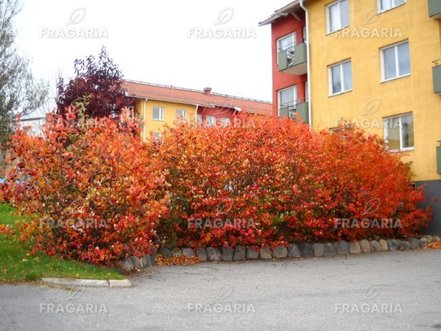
(293, 60)
(303, 111)
(435, 9)
(436, 71)
(293, 110)
(288, 110)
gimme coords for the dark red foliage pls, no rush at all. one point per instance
(97, 84)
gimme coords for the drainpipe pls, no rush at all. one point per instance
(302, 5)
(196, 114)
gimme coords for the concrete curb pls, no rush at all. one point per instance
(88, 282)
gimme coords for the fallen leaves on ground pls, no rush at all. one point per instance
(176, 260)
(434, 245)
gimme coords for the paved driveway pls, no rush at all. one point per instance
(387, 291)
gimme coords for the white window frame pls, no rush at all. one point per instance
(208, 119)
(293, 35)
(161, 113)
(328, 16)
(342, 78)
(181, 117)
(402, 149)
(397, 63)
(296, 95)
(379, 3)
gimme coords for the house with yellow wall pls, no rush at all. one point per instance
(165, 105)
(377, 63)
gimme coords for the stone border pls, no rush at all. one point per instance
(88, 282)
(303, 250)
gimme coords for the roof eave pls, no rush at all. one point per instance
(282, 12)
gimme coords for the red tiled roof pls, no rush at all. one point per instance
(195, 97)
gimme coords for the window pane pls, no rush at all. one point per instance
(407, 131)
(287, 97)
(389, 63)
(157, 136)
(181, 114)
(386, 4)
(399, 2)
(347, 72)
(286, 42)
(225, 121)
(199, 118)
(403, 59)
(157, 113)
(211, 120)
(393, 133)
(344, 12)
(336, 79)
(334, 17)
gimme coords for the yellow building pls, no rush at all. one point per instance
(375, 62)
(156, 114)
(160, 105)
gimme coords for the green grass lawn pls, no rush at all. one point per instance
(17, 265)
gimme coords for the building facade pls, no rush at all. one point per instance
(377, 64)
(160, 106)
(289, 65)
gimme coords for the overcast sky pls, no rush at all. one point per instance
(194, 43)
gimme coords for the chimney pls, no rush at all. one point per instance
(207, 90)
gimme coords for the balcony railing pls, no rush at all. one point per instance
(436, 72)
(295, 109)
(435, 9)
(293, 60)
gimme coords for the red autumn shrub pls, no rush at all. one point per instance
(265, 181)
(371, 188)
(222, 180)
(95, 193)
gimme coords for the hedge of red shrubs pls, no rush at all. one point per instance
(260, 181)
(266, 181)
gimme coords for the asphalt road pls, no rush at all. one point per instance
(385, 291)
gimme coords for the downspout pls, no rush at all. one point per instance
(196, 114)
(308, 59)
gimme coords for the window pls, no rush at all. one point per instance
(211, 120)
(158, 113)
(398, 132)
(340, 78)
(199, 118)
(384, 5)
(181, 114)
(395, 61)
(157, 136)
(337, 15)
(225, 121)
(287, 100)
(286, 44)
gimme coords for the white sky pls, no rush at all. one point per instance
(152, 41)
